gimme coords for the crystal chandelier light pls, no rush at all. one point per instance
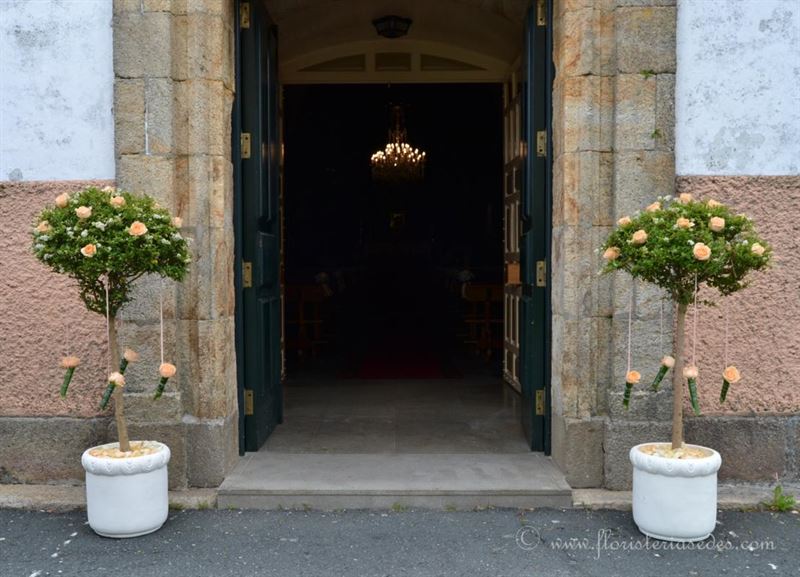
(398, 161)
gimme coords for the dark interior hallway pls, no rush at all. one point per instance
(376, 273)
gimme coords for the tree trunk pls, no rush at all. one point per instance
(677, 379)
(119, 402)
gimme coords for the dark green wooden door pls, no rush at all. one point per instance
(535, 231)
(258, 183)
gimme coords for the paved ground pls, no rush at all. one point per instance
(494, 543)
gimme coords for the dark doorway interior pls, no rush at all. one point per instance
(375, 273)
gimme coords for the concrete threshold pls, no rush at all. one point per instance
(271, 480)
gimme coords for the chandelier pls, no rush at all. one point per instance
(398, 161)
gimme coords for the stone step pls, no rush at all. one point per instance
(272, 480)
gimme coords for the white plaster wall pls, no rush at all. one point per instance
(56, 90)
(738, 87)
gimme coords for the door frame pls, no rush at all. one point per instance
(544, 442)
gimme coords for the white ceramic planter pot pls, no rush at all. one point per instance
(127, 497)
(675, 499)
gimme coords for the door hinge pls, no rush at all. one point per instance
(244, 15)
(541, 273)
(244, 141)
(247, 274)
(541, 13)
(541, 143)
(539, 402)
(248, 402)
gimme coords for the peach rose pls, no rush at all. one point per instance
(690, 372)
(137, 228)
(130, 355)
(117, 201)
(62, 200)
(633, 377)
(713, 203)
(70, 362)
(731, 374)
(624, 221)
(716, 224)
(117, 379)
(611, 253)
(701, 251)
(668, 361)
(43, 227)
(757, 249)
(89, 250)
(653, 207)
(685, 198)
(639, 237)
(83, 212)
(684, 223)
(108, 189)
(177, 222)
(167, 370)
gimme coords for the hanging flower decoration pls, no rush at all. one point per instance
(690, 374)
(631, 378)
(730, 376)
(69, 364)
(129, 356)
(114, 380)
(666, 364)
(167, 371)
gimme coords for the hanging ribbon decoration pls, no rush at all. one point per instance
(631, 377)
(667, 361)
(115, 379)
(731, 374)
(68, 363)
(166, 370)
(691, 372)
(129, 356)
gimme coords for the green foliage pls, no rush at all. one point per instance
(667, 257)
(122, 257)
(647, 73)
(781, 501)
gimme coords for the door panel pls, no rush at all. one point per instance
(259, 223)
(513, 168)
(534, 238)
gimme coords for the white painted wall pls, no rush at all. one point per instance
(738, 87)
(56, 90)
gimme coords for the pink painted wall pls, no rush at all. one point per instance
(40, 313)
(764, 338)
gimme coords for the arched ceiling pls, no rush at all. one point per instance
(484, 36)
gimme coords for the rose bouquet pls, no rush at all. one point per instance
(680, 244)
(105, 240)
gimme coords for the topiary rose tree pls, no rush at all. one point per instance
(105, 240)
(679, 244)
